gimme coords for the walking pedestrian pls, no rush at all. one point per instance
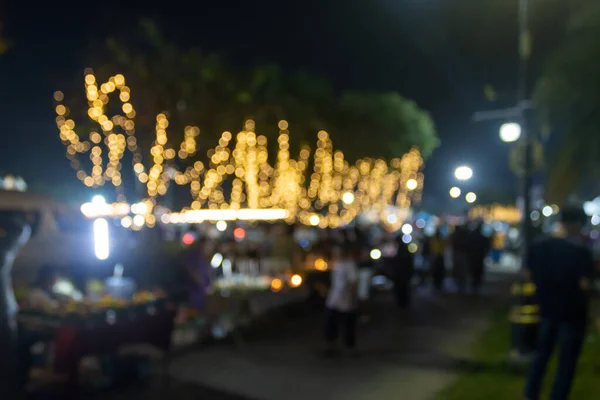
(562, 269)
(403, 271)
(437, 252)
(460, 261)
(479, 248)
(342, 300)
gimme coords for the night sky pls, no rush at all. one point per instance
(440, 53)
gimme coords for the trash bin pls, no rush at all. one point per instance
(525, 318)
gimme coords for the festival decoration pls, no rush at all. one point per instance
(321, 188)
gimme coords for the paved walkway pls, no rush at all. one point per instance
(410, 355)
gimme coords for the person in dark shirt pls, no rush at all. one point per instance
(562, 270)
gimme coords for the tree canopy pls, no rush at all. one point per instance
(568, 95)
(197, 88)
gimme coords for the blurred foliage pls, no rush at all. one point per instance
(568, 97)
(196, 88)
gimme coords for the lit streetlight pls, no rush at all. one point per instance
(463, 173)
(471, 197)
(510, 132)
(455, 192)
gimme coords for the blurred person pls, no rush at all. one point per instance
(562, 269)
(437, 246)
(460, 261)
(342, 300)
(198, 269)
(498, 245)
(403, 271)
(366, 267)
(479, 248)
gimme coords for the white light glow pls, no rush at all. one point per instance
(596, 220)
(126, 222)
(138, 220)
(407, 238)
(222, 226)
(314, 220)
(407, 229)
(547, 211)
(510, 132)
(463, 173)
(375, 254)
(139, 208)
(248, 214)
(348, 198)
(412, 184)
(98, 200)
(101, 240)
(455, 192)
(471, 197)
(216, 260)
(392, 219)
(420, 223)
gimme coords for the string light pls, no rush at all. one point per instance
(331, 194)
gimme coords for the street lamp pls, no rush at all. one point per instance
(510, 132)
(455, 192)
(463, 173)
(471, 197)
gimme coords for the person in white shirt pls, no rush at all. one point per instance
(342, 300)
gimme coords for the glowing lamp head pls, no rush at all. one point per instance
(463, 173)
(471, 197)
(375, 254)
(455, 192)
(510, 132)
(295, 280)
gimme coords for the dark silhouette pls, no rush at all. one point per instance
(14, 233)
(403, 272)
(479, 248)
(562, 269)
(437, 251)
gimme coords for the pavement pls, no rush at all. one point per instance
(403, 354)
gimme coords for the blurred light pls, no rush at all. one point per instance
(304, 243)
(188, 238)
(348, 198)
(407, 229)
(221, 226)
(139, 208)
(98, 200)
(463, 173)
(101, 240)
(320, 264)
(296, 280)
(407, 238)
(239, 233)
(412, 184)
(510, 132)
(535, 215)
(276, 285)
(455, 192)
(413, 247)
(594, 234)
(314, 220)
(547, 211)
(375, 254)
(513, 233)
(126, 222)
(216, 261)
(138, 220)
(596, 219)
(471, 197)
(420, 223)
(392, 219)
(227, 268)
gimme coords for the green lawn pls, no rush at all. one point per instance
(496, 380)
